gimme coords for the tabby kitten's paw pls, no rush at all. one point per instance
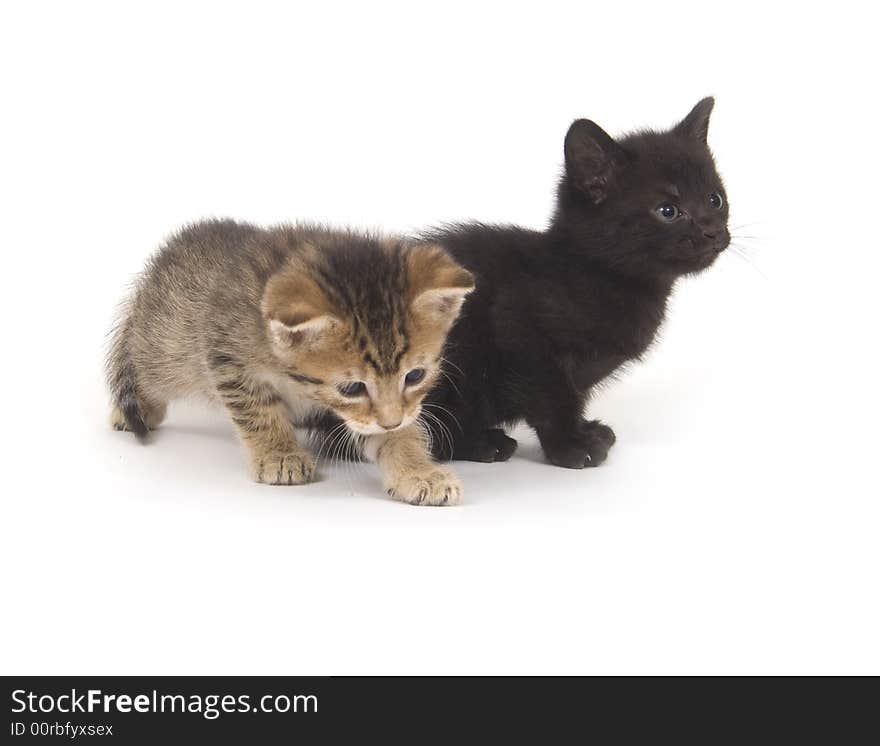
(588, 447)
(438, 486)
(297, 467)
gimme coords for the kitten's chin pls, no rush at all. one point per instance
(693, 265)
(707, 260)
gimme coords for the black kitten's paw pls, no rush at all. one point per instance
(588, 448)
(504, 445)
(489, 446)
(600, 431)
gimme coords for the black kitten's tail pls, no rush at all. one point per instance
(128, 413)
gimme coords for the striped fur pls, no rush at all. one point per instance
(273, 325)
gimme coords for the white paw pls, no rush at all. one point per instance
(436, 486)
(283, 468)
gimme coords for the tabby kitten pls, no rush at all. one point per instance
(294, 326)
(558, 311)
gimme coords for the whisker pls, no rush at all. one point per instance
(449, 362)
(444, 409)
(424, 419)
(426, 434)
(740, 226)
(349, 460)
(738, 251)
(329, 439)
(451, 383)
(337, 448)
(443, 432)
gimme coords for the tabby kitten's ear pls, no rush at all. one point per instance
(296, 308)
(696, 124)
(437, 285)
(592, 159)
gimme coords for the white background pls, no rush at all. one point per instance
(734, 527)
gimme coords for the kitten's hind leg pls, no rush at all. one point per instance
(487, 446)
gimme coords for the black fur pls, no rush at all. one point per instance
(556, 312)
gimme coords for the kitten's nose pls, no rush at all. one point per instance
(388, 409)
(718, 236)
(389, 417)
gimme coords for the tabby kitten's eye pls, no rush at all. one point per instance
(414, 376)
(668, 212)
(355, 388)
(716, 200)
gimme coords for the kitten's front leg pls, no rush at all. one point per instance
(491, 445)
(408, 473)
(265, 429)
(575, 444)
(567, 438)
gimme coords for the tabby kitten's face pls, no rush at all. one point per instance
(655, 198)
(365, 335)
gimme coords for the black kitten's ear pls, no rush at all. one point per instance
(592, 158)
(696, 124)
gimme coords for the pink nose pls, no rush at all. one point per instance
(391, 425)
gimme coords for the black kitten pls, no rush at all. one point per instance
(556, 312)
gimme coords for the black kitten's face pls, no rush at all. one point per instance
(653, 202)
(671, 207)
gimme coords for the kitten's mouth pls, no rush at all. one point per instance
(362, 429)
(720, 240)
(374, 428)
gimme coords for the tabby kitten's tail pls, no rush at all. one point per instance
(128, 413)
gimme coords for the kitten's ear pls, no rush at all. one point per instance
(437, 285)
(296, 308)
(696, 124)
(592, 159)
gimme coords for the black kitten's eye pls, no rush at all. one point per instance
(355, 388)
(668, 212)
(716, 200)
(414, 376)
